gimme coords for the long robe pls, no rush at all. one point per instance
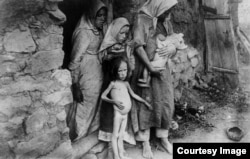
(160, 92)
(87, 71)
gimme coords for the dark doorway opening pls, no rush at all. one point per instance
(73, 11)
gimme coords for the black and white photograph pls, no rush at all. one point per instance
(124, 79)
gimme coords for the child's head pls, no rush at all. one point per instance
(120, 69)
(160, 41)
(161, 37)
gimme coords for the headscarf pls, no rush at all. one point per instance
(112, 32)
(154, 8)
(86, 23)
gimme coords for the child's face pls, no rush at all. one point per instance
(122, 35)
(122, 71)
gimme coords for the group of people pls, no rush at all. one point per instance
(106, 65)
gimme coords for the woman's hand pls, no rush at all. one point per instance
(77, 93)
(168, 51)
(119, 105)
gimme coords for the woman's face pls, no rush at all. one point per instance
(100, 19)
(122, 35)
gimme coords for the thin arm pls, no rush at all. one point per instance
(105, 93)
(143, 56)
(132, 93)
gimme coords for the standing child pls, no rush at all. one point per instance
(120, 92)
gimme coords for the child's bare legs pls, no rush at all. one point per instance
(115, 135)
(121, 150)
(144, 81)
(119, 127)
(110, 151)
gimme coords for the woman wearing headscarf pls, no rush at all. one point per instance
(86, 68)
(115, 44)
(149, 23)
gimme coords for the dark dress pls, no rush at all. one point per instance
(160, 93)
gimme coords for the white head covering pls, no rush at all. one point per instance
(111, 35)
(85, 23)
(154, 8)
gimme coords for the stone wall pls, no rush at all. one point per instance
(34, 91)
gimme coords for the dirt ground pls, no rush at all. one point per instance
(220, 117)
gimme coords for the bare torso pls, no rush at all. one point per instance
(120, 93)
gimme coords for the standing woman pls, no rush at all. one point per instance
(115, 44)
(85, 67)
(160, 93)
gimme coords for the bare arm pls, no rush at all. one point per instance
(105, 97)
(169, 51)
(143, 56)
(138, 98)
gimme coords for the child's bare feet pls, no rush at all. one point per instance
(147, 153)
(124, 157)
(110, 154)
(116, 157)
(123, 154)
(167, 145)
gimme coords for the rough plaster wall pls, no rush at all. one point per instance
(33, 90)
